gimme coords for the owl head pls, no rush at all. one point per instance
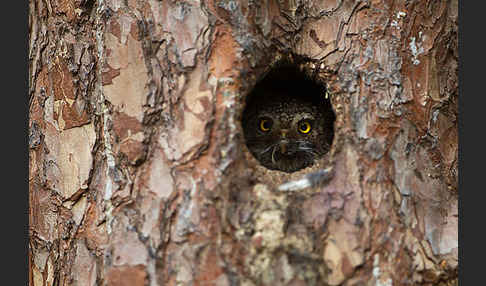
(285, 131)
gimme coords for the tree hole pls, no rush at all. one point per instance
(288, 120)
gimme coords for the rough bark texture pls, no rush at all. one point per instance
(139, 174)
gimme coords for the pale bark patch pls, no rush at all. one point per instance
(84, 267)
(160, 181)
(128, 90)
(127, 247)
(78, 209)
(71, 153)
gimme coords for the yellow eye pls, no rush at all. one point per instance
(265, 125)
(304, 127)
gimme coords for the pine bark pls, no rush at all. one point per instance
(139, 173)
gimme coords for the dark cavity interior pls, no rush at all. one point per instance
(288, 121)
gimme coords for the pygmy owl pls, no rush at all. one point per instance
(285, 127)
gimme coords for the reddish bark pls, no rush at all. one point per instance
(139, 173)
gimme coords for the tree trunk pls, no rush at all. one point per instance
(139, 172)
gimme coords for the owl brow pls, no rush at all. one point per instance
(265, 114)
(305, 116)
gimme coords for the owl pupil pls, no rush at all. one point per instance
(304, 127)
(265, 124)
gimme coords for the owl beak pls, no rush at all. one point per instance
(283, 147)
(283, 142)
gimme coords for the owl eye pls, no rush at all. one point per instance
(265, 124)
(304, 127)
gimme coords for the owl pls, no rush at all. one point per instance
(287, 127)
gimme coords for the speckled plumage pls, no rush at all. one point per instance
(283, 147)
